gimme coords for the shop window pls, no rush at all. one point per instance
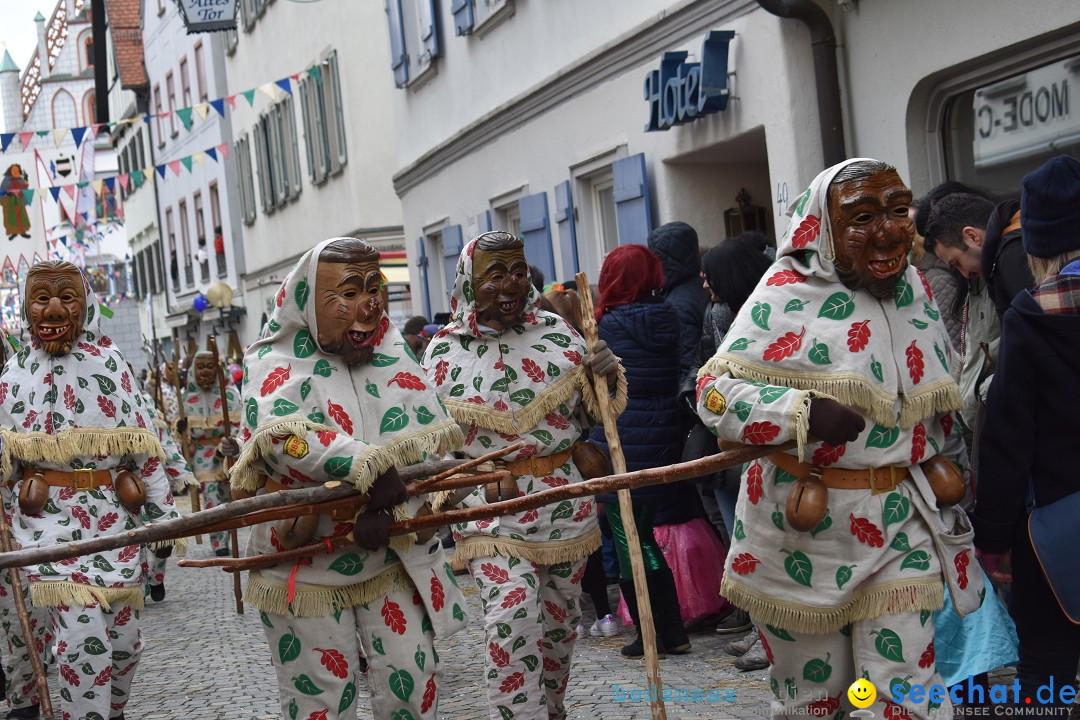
(999, 129)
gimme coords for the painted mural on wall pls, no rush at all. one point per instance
(16, 219)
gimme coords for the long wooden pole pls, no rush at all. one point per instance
(646, 626)
(44, 698)
(234, 541)
(185, 436)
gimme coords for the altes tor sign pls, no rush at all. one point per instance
(680, 91)
(208, 15)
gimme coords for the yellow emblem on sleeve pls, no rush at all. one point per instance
(715, 402)
(296, 447)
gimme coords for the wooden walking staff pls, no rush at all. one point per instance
(234, 543)
(185, 437)
(24, 623)
(626, 509)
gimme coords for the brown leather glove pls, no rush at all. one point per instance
(370, 530)
(387, 490)
(228, 447)
(834, 422)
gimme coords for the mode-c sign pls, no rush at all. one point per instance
(208, 15)
(680, 91)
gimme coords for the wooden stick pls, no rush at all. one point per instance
(234, 541)
(189, 524)
(646, 627)
(44, 699)
(185, 436)
(426, 485)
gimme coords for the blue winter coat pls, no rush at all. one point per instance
(677, 247)
(645, 335)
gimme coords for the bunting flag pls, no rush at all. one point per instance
(199, 157)
(212, 154)
(5, 140)
(28, 196)
(202, 110)
(316, 73)
(25, 138)
(77, 135)
(185, 117)
(231, 99)
(218, 105)
(55, 192)
(249, 95)
(174, 165)
(186, 162)
(123, 178)
(59, 135)
(283, 83)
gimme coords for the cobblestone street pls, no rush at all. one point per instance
(204, 662)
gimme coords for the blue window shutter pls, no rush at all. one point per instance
(399, 57)
(483, 222)
(564, 219)
(536, 233)
(451, 250)
(421, 262)
(633, 212)
(430, 34)
(463, 16)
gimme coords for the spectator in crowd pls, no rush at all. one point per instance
(1029, 454)
(1003, 262)
(414, 335)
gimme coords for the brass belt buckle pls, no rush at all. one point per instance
(874, 489)
(75, 483)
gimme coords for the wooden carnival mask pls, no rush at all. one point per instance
(55, 305)
(500, 280)
(871, 230)
(349, 300)
(205, 371)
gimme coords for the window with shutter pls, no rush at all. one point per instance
(399, 58)
(565, 221)
(536, 233)
(451, 238)
(334, 113)
(633, 209)
(462, 10)
(422, 264)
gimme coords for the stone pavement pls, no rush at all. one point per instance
(204, 662)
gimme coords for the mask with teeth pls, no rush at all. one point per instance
(501, 281)
(205, 370)
(55, 305)
(871, 230)
(349, 300)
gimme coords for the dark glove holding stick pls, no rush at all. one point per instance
(228, 447)
(387, 490)
(833, 422)
(181, 426)
(371, 529)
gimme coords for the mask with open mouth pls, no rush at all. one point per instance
(871, 230)
(55, 305)
(205, 370)
(501, 279)
(349, 300)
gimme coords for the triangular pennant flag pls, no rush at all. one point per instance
(231, 99)
(5, 140)
(59, 134)
(123, 179)
(28, 196)
(55, 192)
(161, 171)
(70, 190)
(185, 117)
(85, 216)
(203, 109)
(316, 72)
(186, 162)
(249, 95)
(147, 118)
(295, 77)
(42, 133)
(96, 184)
(268, 90)
(25, 138)
(77, 135)
(212, 153)
(63, 239)
(199, 157)
(174, 165)
(218, 105)
(283, 83)
(95, 129)
(82, 183)
(137, 177)
(223, 148)
(110, 183)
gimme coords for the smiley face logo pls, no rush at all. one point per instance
(862, 693)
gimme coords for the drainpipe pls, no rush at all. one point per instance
(826, 76)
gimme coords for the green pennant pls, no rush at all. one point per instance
(316, 72)
(249, 95)
(137, 178)
(185, 117)
(42, 133)
(82, 184)
(28, 196)
(105, 311)
(186, 162)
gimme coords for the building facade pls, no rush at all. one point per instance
(582, 126)
(316, 160)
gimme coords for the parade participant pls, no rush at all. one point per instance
(209, 445)
(333, 394)
(508, 372)
(85, 462)
(840, 559)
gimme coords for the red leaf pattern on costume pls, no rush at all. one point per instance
(339, 416)
(501, 406)
(529, 516)
(393, 616)
(584, 512)
(475, 400)
(826, 455)
(82, 516)
(69, 398)
(274, 540)
(70, 676)
(786, 277)
(759, 433)
(128, 553)
(551, 664)
(927, 658)
(512, 683)
(858, 335)
(573, 356)
(514, 597)
(3, 391)
(754, 482)
(960, 562)
(557, 421)
(866, 532)
(384, 325)
(30, 418)
(765, 647)
(139, 419)
(784, 346)
(48, 423)
(532, 370)
(576, 579)
(807, 232)
(441, 369)
(318, 715)
(105, 341)
(80, 578)
(91, 349)
(125, 381)
(299, 476)
(429, 695)
(107, 521)
(326, 437)
(925, 284)
(705, 380)
(499, 657)
(103, 677)
(107, 406)
(915, 363)
(555, 611)
(918, 443)
(946, 424)
(150, 466)
(335, 662)
(281, 295)
(273, 381)
(745, 564)
(438, 594)
(407, 381)
(470, 437)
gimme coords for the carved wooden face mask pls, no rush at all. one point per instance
(501, 281)
(56, 304)
(349, 302)
(205, 371)
(871, 230)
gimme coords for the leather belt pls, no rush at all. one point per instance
(537, 466)
(80, 480)
(206, 442)
(876, 480)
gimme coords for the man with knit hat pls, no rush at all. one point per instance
(837, 551)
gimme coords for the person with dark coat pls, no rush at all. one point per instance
(676, 245)
(1004, 262)
(1029, 439)
(643, 331)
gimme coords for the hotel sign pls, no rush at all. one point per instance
(682, 91)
